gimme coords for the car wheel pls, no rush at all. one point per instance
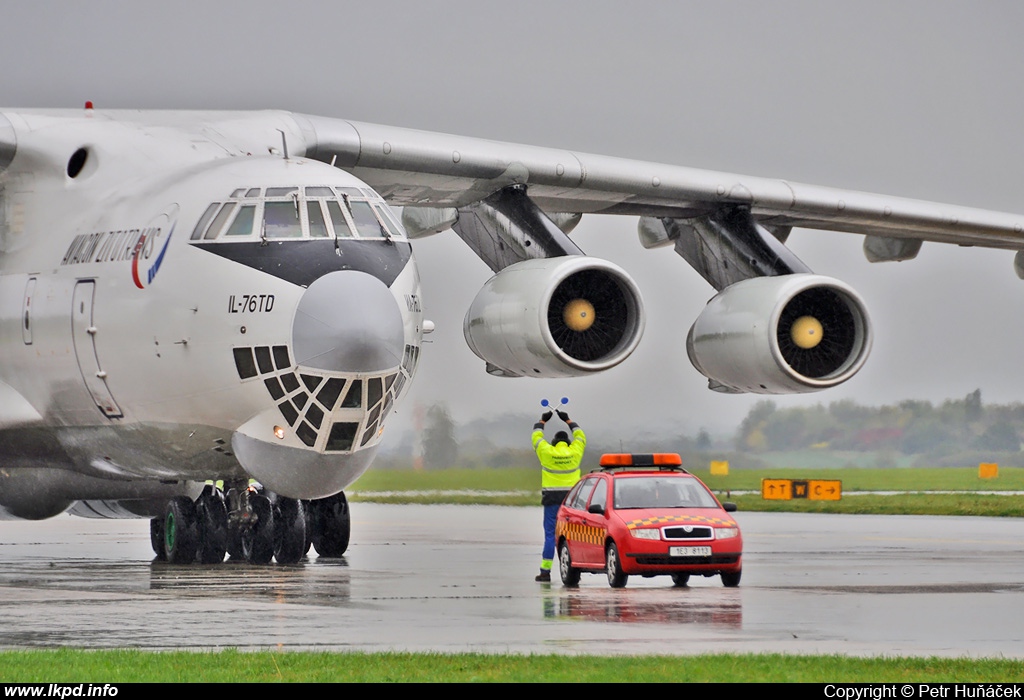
(680, 580)
(731, 580)
(613, 567)
(570, 575)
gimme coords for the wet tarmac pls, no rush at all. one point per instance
(460, 578)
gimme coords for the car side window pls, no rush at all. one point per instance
(600, 494)
(572, 494)
(583, 495)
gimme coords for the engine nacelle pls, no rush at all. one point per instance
(781, 335)
(555, 317)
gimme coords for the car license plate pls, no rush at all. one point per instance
(689, 551)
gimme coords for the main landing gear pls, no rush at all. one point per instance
(251, 525)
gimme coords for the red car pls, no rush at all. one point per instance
(646, 515)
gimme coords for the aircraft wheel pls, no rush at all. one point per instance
(233, 541)
(332, 525)
(156, 538)
(212, 517)
(289, 530)
(258, 537)
(181, 537)
(308, 510)
(731, 580)
(680, 580)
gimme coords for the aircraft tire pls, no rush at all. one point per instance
(307, 508)
(680, 580)
(156, 538)
(289, 530)
(332, 525)
(181, 537)
(212, 518)
(234, 530)
(258, 538)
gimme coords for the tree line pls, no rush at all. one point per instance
(909, 427)
(956, 432)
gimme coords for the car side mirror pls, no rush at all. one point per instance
(729, 507)
(596, 509)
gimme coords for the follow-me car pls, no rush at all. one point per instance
(644, 514)
(191, 297)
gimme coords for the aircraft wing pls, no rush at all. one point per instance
(419, 168)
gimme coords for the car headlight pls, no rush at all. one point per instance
(724, 533)
(646, 533)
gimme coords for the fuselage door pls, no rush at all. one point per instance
(84, 333)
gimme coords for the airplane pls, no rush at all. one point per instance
(192, 302)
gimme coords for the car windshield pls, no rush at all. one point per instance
(661, 492)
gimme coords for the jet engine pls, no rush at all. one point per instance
(555, 317)
(780, 335)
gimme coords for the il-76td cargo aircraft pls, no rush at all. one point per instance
(192, 297)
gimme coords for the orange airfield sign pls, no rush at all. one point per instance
(811, 489)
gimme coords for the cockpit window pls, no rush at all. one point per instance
(315, 217)
(298, 213)
(341, 229)
(388, 216)
(218, 221)
(281, 220)
(242, 225)
(204, 220)
(367, 223)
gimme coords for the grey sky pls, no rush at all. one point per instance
(920, 99)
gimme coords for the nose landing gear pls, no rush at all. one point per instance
(330, 525)
(250, 525)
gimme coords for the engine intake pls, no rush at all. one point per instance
(555, 317)
(781, 335)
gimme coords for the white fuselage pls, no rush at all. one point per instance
(176, 308)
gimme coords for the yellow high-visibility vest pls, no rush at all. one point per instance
(560, 464)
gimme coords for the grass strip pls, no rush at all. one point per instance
(520, 487)
(897, 504)
(130, 666)
(854, 479)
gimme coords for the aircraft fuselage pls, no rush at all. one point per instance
(176, 308)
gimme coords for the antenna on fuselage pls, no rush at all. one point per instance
(284, 143)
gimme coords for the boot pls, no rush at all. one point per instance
(544, 576)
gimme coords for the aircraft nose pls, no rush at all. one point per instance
(348, 321)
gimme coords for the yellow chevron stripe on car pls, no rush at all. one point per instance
(667, 519)
(577, 532)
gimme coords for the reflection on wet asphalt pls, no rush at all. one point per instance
(461, 578)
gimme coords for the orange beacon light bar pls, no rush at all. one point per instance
(658, 459)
